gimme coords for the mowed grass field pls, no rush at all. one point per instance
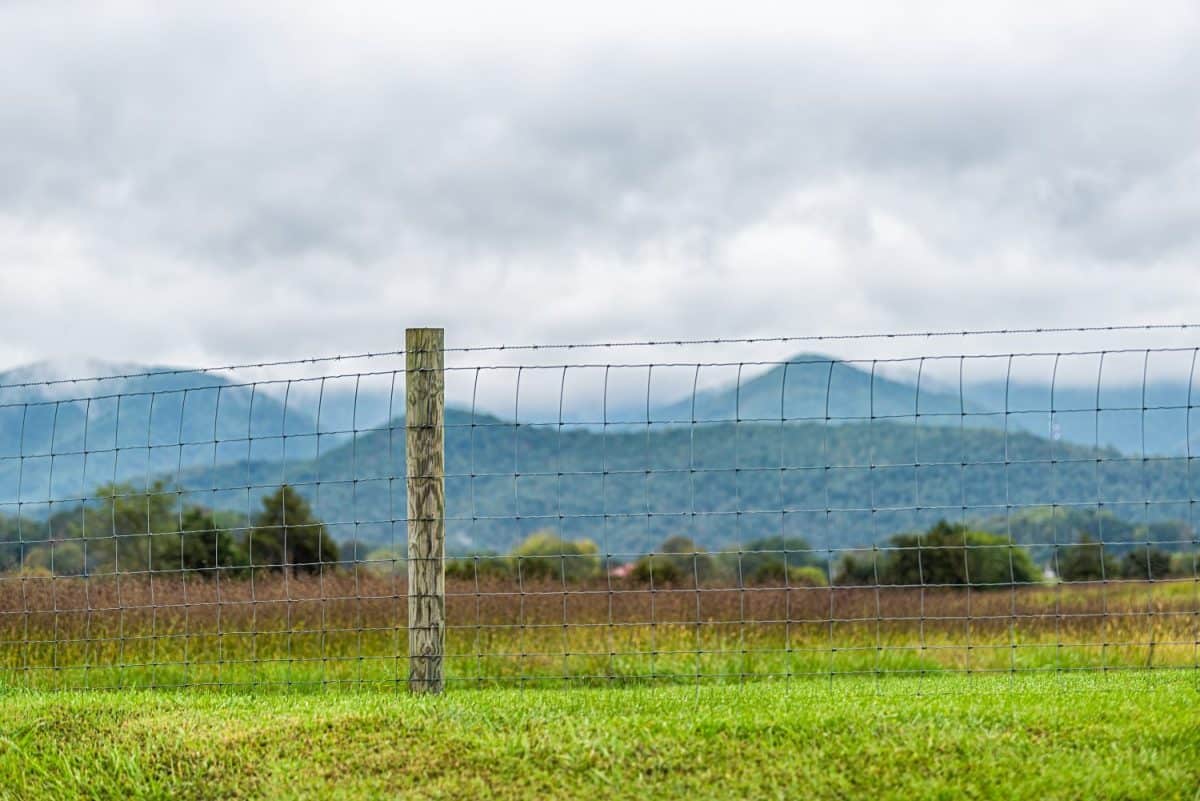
(1116, 735)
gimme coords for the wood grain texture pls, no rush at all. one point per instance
(425, 390)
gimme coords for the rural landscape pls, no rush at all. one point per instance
(627, 401)
(816, 528)
(877, 526)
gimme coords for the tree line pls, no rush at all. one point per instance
(947, 554)
(126, 530)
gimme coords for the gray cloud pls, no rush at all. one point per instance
(205, 187)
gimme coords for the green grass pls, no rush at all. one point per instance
(1126, 735)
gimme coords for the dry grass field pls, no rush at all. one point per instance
(347, 627)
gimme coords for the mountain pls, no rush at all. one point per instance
(812, 386)
(77, 435)
(874, 468)
(1159, 413)
(847, 485)
(1130, 418)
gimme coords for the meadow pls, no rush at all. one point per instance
(346, 627)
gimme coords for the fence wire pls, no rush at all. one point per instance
(700, 511)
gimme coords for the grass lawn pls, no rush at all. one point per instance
(1119, 735)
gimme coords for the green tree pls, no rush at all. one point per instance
(1146, 563)
(542, 556)
(858, 569)
(485, 565)
(545, 555)
(205, 544)
(59, 558)
(769, 560)
(1185, 563)
(124, 528)
(678, 560)
(11, 549)
(1086, 560)
(354, 551)
(287, 534)
(807, 576)
(954, 555)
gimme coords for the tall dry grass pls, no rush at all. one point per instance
(348, 625)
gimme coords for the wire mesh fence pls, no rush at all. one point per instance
(694, 511)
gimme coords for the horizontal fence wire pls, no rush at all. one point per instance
(1007, 501)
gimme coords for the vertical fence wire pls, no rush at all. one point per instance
(613, 519)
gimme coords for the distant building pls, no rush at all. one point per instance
(621, 571)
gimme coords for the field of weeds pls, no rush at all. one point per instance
(347, 627)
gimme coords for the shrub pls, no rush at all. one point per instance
(542, 556)
(807, 576)
(61, 558)
(1085, 561)
(773, 574)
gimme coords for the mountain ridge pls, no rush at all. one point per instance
(854, 477)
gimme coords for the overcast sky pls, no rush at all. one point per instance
(209, 185)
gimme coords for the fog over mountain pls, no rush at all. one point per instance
(756, 448)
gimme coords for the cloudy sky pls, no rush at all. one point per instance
(210, 185)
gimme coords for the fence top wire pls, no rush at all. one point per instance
(893, 335)
(165, 544)
(591, 365)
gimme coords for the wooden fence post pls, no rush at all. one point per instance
(424, 409)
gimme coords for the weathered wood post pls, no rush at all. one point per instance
(425, 389)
